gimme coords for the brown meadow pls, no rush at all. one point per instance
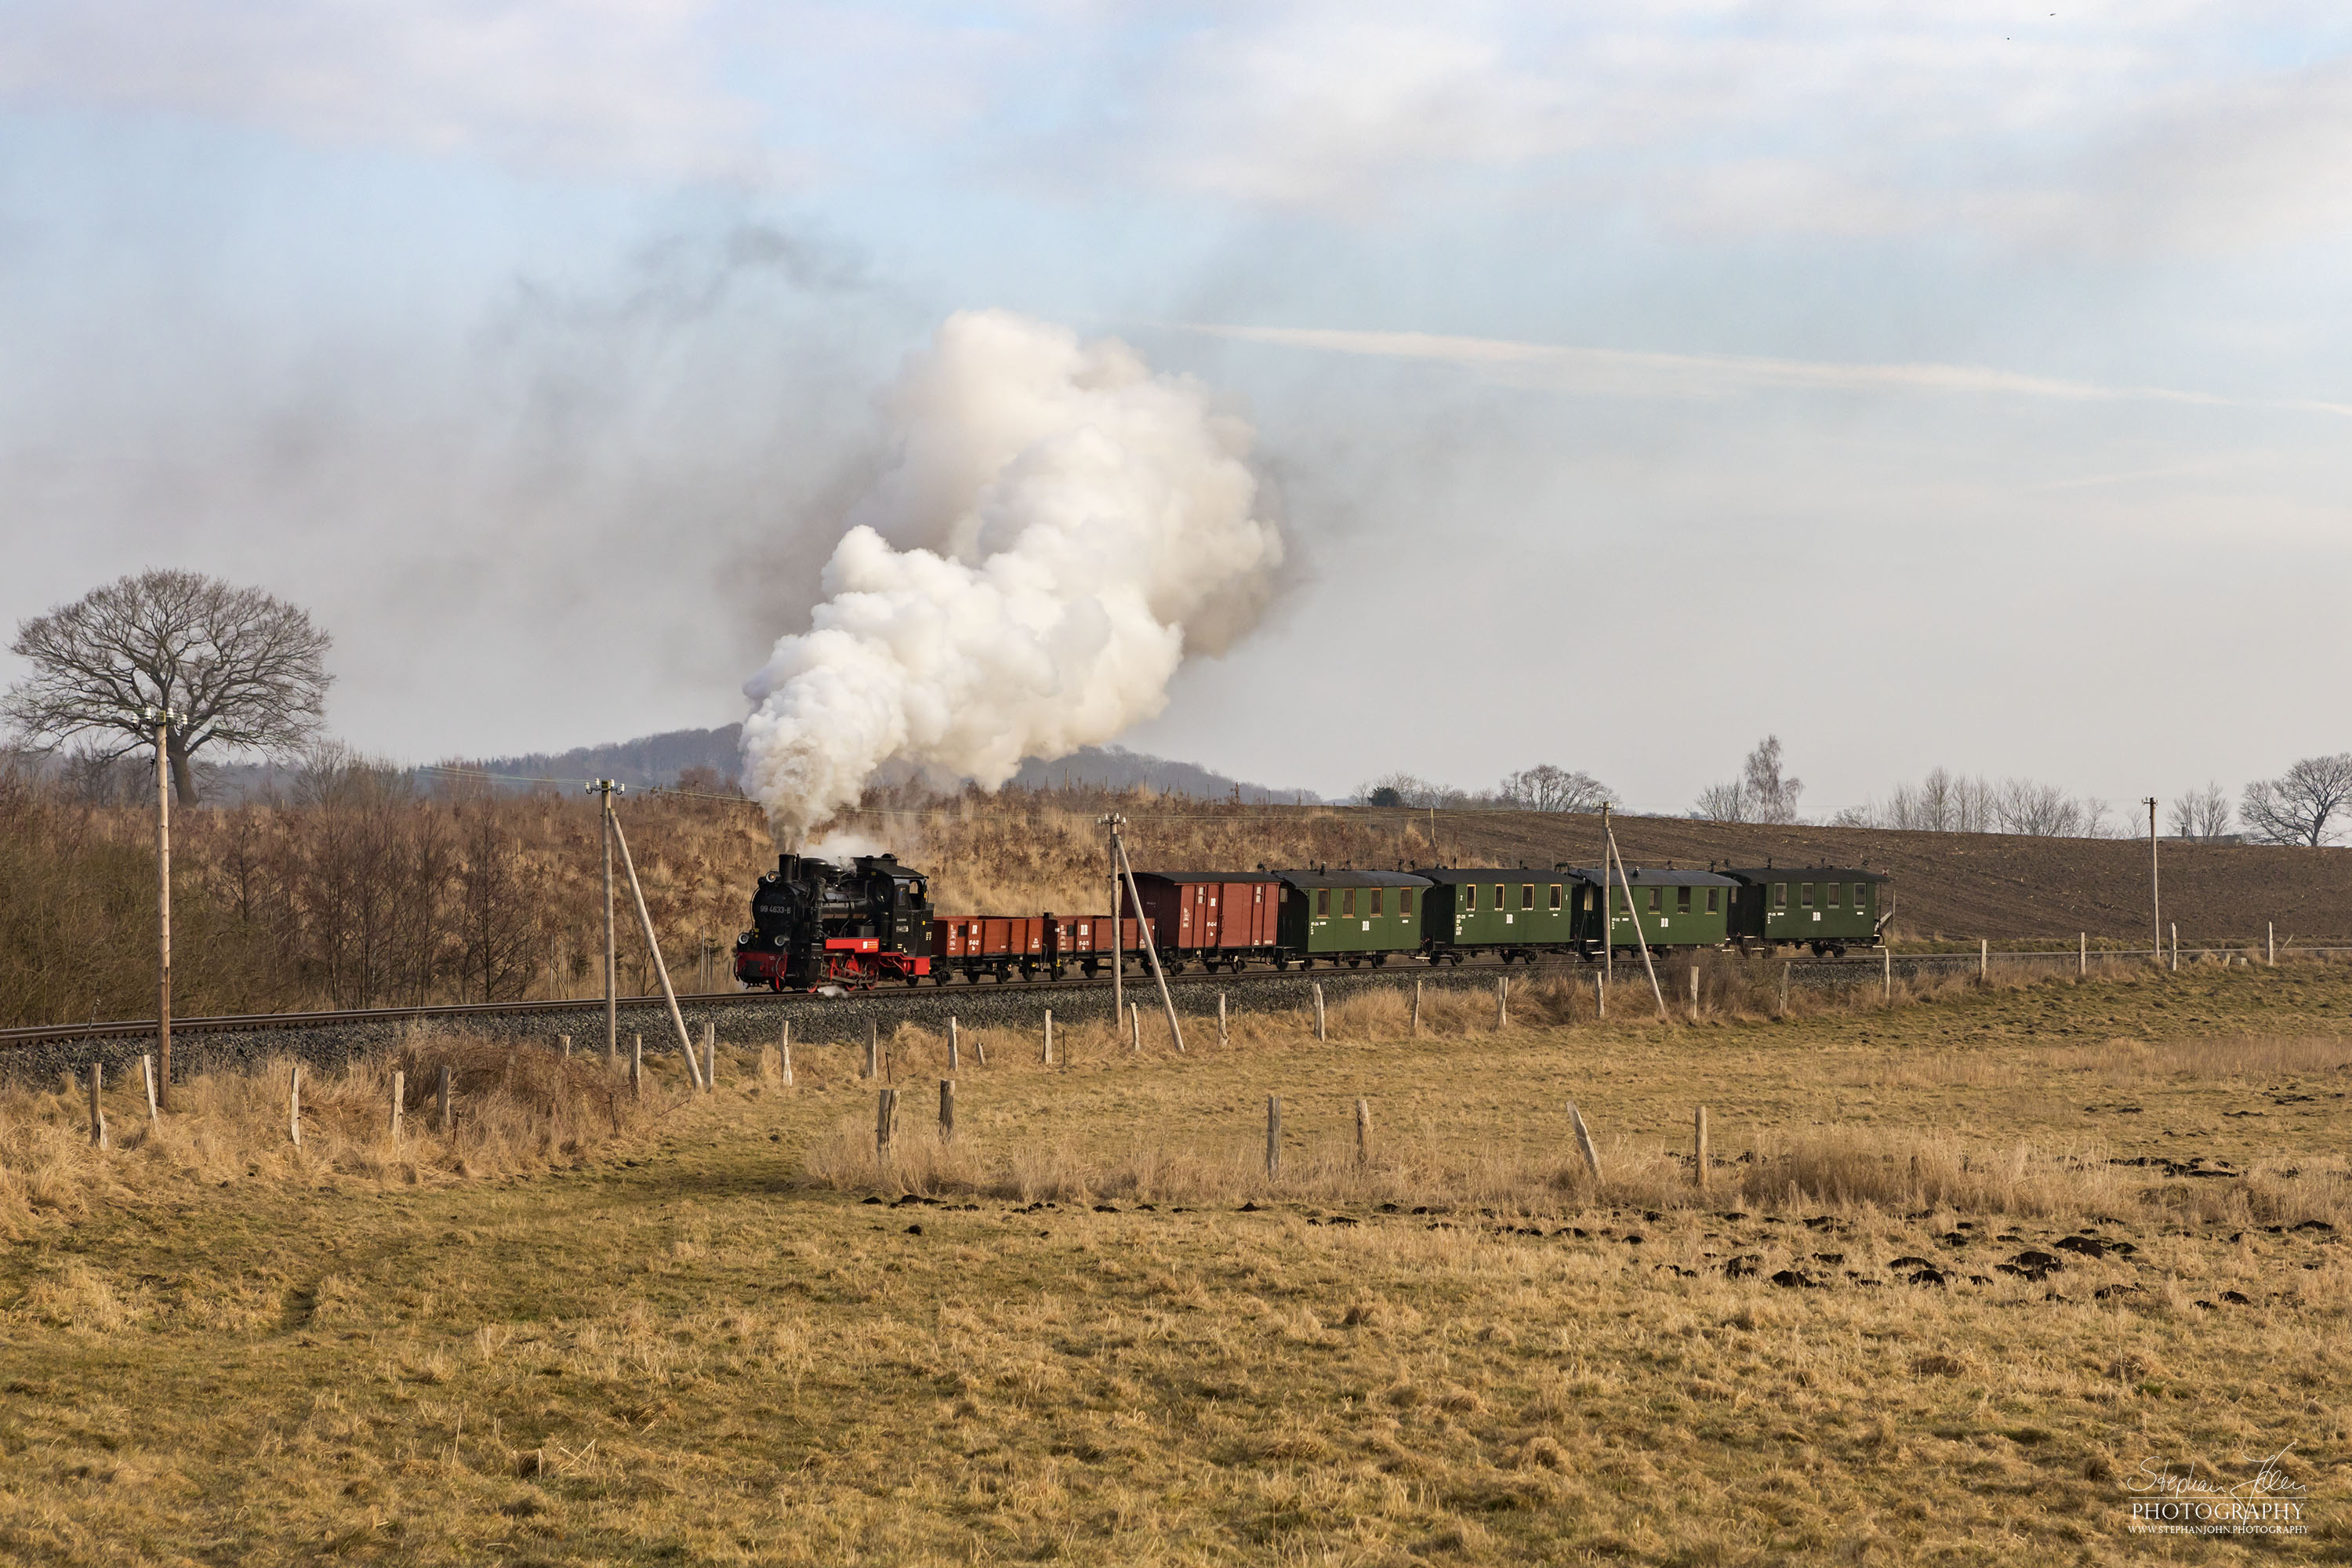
(1092, 1328)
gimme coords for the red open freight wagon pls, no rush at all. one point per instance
(1030, 945)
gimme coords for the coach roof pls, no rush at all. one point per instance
(1803, 873)
(1660, 876)
(1454, 875)
(1352, 878)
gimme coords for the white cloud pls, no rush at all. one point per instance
(598, 85)
(1623, 373)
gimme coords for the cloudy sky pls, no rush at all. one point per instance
(1927, 384)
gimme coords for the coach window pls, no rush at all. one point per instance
(1527, 895)
(1502, 902)
(1348, 902)
(1404, 901)
(1653, 899)
(1682, 900)
(1805, 894)
(1375, 895)
(1862, 895)
(1322, 900)
(1711, 894)
(1831, 890)
(1780, 895)
(1555, 895)
(1470, 897)
(1588, 900)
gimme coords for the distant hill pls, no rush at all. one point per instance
(1115, 767)
(652, 760)
(641, 763)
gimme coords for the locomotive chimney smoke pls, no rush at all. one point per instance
(1062, 527)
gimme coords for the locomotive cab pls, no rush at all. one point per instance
(816, 923)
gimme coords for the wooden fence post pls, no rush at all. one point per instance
(1984, 961)
(784, 1047)
(1599, 997)
(955, 1046)
(1320, 1031)
(1694, 988)
(1273, 1134)
(637, 1066)
(1887, 957)
(2083, 954)
(294, 1104)
(1135, 1026)
(947, 1109)
(2272, 928)
(97, 1112)
(1223, 1038)
(1698, 1146)
(1049, 1036)
(886, 1121)
(1502, 1001)
(2176, 947)
(1785, 967)
(399, 1095)
(1585, 1142)
(1416, 1009)
(147, 1075)
(566, 1052)
(1364, 1131)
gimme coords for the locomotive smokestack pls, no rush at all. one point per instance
(1061, 529)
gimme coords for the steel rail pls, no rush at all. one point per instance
(1869, 959)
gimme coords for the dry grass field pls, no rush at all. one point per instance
(1967, 1271)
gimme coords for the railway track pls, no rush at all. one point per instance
(1805, 970)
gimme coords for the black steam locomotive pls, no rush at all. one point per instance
(814, 924)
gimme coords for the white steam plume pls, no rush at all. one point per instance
(1061, 529)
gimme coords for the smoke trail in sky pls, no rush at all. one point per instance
(1060, 530)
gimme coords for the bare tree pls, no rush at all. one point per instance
(1761, 792)
(2298, 807)
(1721, 803)
(247, 669)
(1547, 788)
(2201, 813)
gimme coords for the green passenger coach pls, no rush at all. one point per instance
(1827, 908)
(1350, 916)
(1516, 911)
(1670, 909)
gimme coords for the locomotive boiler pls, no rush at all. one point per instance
(814, 924)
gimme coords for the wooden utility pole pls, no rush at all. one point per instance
(1608, 926)
(1143, 937)
(2155, 888)
(162, 718)
(1627, 884)
(1117, 941)
(653, 945)
(606, 788)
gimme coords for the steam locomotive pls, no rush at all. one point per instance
(814, 925)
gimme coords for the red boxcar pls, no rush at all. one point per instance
(1212, 916)
(1001, 945)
